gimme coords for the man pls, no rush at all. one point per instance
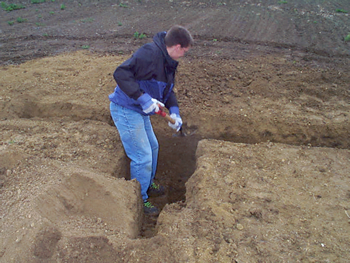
(144, 84)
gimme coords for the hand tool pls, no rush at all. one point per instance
(162, 113)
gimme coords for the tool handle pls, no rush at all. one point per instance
(166, 116)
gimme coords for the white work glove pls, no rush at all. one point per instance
(178, 122)
(148, 104)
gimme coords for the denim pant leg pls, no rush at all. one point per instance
(140, 144)
(154, 147)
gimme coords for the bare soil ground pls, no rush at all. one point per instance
(263, 177)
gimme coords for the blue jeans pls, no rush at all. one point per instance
(140, 144)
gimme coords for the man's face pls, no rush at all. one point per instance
(179, 52)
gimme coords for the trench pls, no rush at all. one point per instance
(177, 154)
(177, 157)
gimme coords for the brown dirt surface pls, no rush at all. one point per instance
(263, 175)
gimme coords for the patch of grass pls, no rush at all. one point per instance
(11, 7)
(39, 24)
(37, 1)
(85, 46)
(123, 5)
(10, 22)
(137, 35)
(21, 20)
(45, 35)
(347, 38)
(52, 12)
(341, 11)
(63, 7)
(282, 2)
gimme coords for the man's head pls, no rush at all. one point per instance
(178, 41)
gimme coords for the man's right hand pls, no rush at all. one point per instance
(148, 104)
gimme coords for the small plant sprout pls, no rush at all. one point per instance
(347, 38)
(214, 40)
(137, 35)
(52, 12)
(63, 7)
(10, 22)
(341, 11)
(45, 35)
(120, 24)
(85, 46)
(282, 2)
(21, 20)
(38, 1)
(11, 7)
(123, 5)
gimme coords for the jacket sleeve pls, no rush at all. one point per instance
(172, 101)
(139, 67)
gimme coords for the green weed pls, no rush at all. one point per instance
(63, 7)
(52, 12)
(282, 2)
(21, 20)
(137, 35)
(123, 5)
(120, 24)
(10, 22)
(347, 38)
(39, 24)
(11, 7)
(341, 11)
(85, 47)
(45, 35)
(214, 40)
(37, 1)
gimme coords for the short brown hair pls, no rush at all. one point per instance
(178, 35)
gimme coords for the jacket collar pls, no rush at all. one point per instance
(158, 39)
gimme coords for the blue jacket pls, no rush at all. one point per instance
(150, 70)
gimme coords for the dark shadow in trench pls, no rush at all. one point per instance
(176, 164)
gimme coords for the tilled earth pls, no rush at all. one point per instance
(264, 93)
